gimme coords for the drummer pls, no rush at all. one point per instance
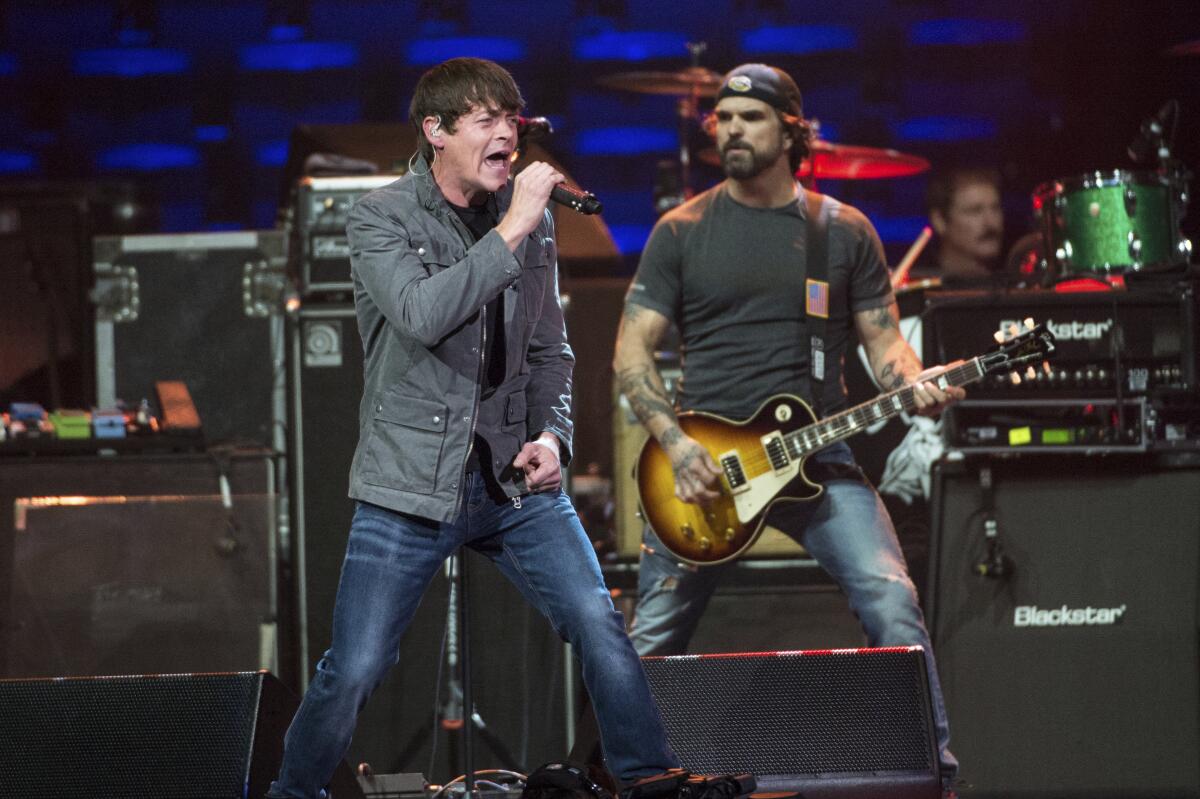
(964, 211)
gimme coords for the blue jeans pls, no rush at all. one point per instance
(391, 559)
(849, 534)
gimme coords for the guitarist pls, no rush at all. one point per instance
(729, 268)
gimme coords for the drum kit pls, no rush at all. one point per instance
(827, 160)
(1103, 224)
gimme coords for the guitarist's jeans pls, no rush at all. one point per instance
(391, 559)
(849, 533)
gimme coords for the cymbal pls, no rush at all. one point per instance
(1184, 48)
(854, 162)
(683, 82)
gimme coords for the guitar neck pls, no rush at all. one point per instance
(819, 435)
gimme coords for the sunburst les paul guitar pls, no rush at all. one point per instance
(762, 458)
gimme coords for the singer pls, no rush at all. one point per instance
(464, 423)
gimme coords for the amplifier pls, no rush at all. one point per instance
(322, 254)
(1050, 425)
(1073, 674)
(1110, 344)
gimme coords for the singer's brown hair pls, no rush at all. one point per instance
(452, 88)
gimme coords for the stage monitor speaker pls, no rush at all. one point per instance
(1075, 674)
(826, 723)
(205, 736)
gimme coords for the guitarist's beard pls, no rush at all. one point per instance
(741, 161)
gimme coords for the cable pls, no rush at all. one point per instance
(518, 777)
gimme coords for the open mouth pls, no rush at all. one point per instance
(499, 159)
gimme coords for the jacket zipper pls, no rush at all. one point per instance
(462, 478)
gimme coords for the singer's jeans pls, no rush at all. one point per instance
(849, 534)
(391, 558)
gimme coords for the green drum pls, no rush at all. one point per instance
(1112, 222)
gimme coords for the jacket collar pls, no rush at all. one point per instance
(429, 194)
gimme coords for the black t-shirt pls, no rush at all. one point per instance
(480, 219)
(731, 277)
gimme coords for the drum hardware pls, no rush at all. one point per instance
(845, 161)
(1110, 223)
(826, 160)
(900, 273)
(694, 80)
(1184, 49)
(689, 85)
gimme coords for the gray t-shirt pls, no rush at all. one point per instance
(731, 277)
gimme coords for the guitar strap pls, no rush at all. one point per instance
(816, 291)
(816, 312)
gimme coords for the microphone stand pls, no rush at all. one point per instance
(458, 711)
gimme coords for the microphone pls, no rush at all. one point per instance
(576, 199)
(533, 127)
(1150, 138)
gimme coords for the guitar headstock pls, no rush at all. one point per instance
(1020, 346)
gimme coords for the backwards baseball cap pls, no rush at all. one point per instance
(769, 84)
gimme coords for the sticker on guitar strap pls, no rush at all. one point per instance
(817, 346)
(816, 298)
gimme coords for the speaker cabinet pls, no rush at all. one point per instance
(216, 736)
(185, 306)
(1076, 675)
(826, 723)
(135, 563)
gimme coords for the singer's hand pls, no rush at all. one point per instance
(531, 192)
(540, 462)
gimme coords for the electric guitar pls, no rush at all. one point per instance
(762, 458)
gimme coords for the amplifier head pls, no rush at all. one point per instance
(1113, 342)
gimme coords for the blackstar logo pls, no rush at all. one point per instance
(1067, 331)
(1033, 616)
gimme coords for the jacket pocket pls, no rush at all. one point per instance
(407, 435)
(514, 411)
(533, 289)
(436, 256)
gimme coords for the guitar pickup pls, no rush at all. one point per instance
(773, 445)
(731, 464)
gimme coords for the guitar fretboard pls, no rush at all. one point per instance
(819, 435)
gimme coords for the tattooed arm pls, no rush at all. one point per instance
(895, 364)
(697, 477)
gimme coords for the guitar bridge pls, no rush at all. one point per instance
(776, 450)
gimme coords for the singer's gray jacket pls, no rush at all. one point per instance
(419, 285)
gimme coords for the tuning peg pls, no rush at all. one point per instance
(1046, 367)
(1029, 323)
(999, 336)
(1014, 378)
(1030, 374)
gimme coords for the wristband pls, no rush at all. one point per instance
(555, 450)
